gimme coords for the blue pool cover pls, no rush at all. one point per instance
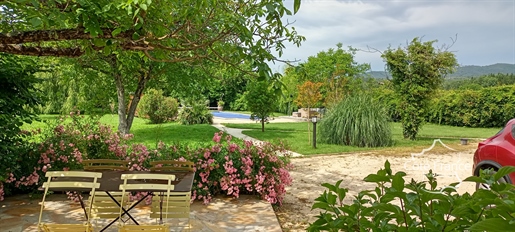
(230, 115)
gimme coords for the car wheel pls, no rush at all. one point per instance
(486, 186)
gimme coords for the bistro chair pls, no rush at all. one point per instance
(154, 182)
(69, 181)
(104, 207)
(178, 207)
(172, 165)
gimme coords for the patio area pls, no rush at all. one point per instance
(247, 213)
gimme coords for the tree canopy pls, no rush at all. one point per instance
(169, 31)
(128, 35)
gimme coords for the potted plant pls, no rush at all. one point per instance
(220, 105)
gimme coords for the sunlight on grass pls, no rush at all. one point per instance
(150, 134)
(296, 136)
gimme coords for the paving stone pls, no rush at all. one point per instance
(223, 214)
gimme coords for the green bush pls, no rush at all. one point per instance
(486, 107)
(198, 113)
(158, 108)
(395, 205)
(358, 120)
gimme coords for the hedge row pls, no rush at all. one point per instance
(487, 107)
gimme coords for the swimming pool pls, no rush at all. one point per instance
(230, 115)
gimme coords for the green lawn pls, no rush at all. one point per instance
(150, 134)
(296, 136)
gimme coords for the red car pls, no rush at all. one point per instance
(496, 152)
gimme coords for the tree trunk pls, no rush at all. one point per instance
(126, 117)
(120, 90)
(142, 81)
(262, 125)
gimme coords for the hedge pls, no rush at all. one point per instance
(486, 107)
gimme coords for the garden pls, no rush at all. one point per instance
(135, 81)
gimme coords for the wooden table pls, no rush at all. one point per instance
(111, 181)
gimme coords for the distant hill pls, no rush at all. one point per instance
(465, 71)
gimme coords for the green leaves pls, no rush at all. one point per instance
(296, 6)
(493, 225)
(396, 206)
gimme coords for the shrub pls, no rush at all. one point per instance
(232, 169)
(62, 145)
(357, 120)
(158, 108)
(395, 205)
(198, 113)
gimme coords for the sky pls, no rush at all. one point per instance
(483, 31)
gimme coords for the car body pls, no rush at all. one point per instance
(497, 151)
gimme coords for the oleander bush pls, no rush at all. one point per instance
(223, 166)
(399, 205)
(232, 168)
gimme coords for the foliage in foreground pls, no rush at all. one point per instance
(357, 120)
(222, 166)
(395, 205)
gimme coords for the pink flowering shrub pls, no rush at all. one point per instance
(223, 166)
(233, 169)
(64, 144)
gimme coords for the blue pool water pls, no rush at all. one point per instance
(230, 115)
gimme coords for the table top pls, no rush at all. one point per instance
(111, 181)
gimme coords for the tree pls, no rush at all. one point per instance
(417, 72)
(335, 68)
(309, 96)
(190, 31)
(261, 101)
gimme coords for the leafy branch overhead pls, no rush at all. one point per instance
(169, 31)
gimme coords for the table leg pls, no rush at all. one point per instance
(82, 205)
(124, 210)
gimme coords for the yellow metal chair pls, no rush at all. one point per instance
(171, 165)
(178, 207)
(103, 206)
(161, 183)
(68, 180)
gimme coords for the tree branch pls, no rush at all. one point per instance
(59, 35)
(41, 51)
